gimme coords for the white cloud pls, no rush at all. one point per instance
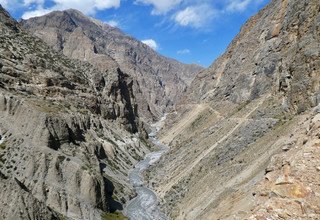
(113, 23)
(4, 3)
(88, 7)
(160, 6)
(12, 5)
(195, 16)
(184, 51)
(36, 13)
(105, 4)
(151, 43)
(238, 5)
(29, 2)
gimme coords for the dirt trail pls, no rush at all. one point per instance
(185, 122)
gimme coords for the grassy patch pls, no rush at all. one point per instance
(197, 121)
(61, 158)
(146, 143)
(114, 197)
(84, 167)
(114, 216)
(240, 107)
(3, 146)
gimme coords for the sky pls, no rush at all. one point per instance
(191, 31)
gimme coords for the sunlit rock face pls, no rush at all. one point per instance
(157, 81)
(69, 132)
(245, 108)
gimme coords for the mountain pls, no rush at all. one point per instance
(244, 133)
(246, 124)
(158, 82)
(69, 132)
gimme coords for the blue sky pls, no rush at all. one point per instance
(191, 31)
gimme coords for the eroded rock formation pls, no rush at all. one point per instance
(157, 81)
(239, 112)
(69, 133)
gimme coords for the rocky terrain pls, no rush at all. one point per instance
(157, 81)
(290, 187)
(255, 101)
(243, 134)
(69, 132)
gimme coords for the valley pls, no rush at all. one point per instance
(146, 204)
(95, 124)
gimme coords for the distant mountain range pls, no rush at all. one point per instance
(157, 81)
(78, 97)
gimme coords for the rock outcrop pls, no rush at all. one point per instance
(69, 132)
(239, 112)
(157, 81)
(290, 188)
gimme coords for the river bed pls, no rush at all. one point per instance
(145, 205)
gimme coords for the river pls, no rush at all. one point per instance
(145, 205)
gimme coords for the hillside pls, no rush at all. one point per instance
(253, 102)
(239, 140)
(158, 82)
(69, 133)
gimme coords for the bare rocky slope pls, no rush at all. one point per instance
(158, 82)
(244, 137)
(69, 132)
(255, 101)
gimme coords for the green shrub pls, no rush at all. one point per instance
(114, 216)
(3, 146)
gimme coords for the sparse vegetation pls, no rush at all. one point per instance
(61, 158)
(146, 143)
(2, 159)
(197, 121)
(114, 216)
(84, 167)
(3, 146)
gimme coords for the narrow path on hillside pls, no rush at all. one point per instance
(182, 124)
(187, 120)
(189, 168)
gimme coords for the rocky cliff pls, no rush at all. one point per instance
(238, 113)
(69, 132)
(158, 82)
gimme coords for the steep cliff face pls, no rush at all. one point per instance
(276, 51)
(69, 133)
(239, 112)
(158, 82)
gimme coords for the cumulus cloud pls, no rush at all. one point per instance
(36, 13)
(113, 23)
(29, 2)
(195, 16)
(160, 6)
(88, 7)
(239, 5)
(4, 3)
(184, 51)
(151, 43)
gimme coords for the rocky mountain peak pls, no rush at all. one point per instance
(158, 82)
(77, 96)
(69, 132)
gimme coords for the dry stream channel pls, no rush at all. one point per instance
(145, 205)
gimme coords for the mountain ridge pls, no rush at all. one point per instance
(238, 115)
(244, 135)
(158, 81)
(69, 133)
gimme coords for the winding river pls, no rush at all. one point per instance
(145, 205)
